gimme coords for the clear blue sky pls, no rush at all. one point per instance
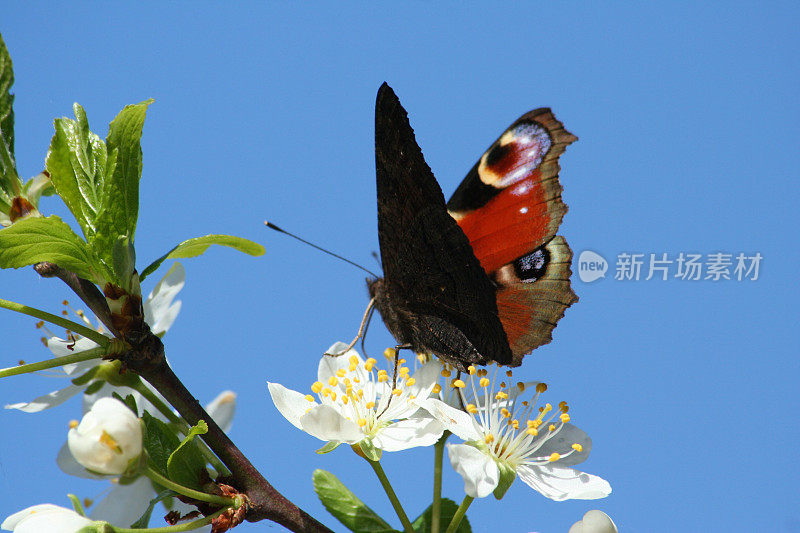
(688, 118)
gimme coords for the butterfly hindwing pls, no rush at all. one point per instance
(440, 297)
(509, 206)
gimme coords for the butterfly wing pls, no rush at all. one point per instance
(433, 277)
(510, 208)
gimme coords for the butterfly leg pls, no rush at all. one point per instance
(394, 374)
(361, 330)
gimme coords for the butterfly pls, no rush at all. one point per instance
(483, 277)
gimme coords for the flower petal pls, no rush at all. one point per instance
(454, 420)
(67, 463)
(326, 423)
(48, 400)
(159, 311)
(125, 503)
(479, 471)
(422, 430)
(222, 408)
(594, 521)
(291, 404)
(558, 483)
(561, 443)
(329, 365)
(61, 347)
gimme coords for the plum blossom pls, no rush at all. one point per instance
(356, 404)
(594, 522)
(45, 517)
(507, 438)
(127, 498)
(108, 440)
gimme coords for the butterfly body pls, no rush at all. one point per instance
(458, 275)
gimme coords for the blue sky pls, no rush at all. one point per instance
(687, 116)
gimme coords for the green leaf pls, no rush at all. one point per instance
(10, 184)
(6, 98)
(77, 161)
(34, 239)
(120, 196)
(159, 441)
(198, 245)
(144, 520)
(186, 462)
(346, 507)
(329, 447)
(448, 508)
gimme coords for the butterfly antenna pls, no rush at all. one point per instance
(321, 249)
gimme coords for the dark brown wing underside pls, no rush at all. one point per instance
(431, 273)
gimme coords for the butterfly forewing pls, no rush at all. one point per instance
(440, 297)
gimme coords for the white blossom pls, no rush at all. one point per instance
(45, 517)
(507, 438)
(594, 522)
(355, 403)
(108, 439)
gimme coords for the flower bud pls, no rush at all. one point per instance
(594, 522)
(45, 517)
(109, 438)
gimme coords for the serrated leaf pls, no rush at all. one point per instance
(144, 520)
(198, 246)
(186, 462)
(10, 183)
(35, 239)
(346, 507)
(6, 98)
(120, 196)
(159, 441)
(446, 512)
(76, 162)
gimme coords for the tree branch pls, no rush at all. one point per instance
(265, 501)
(85, 289)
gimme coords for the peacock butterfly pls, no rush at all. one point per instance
(482, 277)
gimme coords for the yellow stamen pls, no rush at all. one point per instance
(484, 382)
(437, 389)
(552, 427)
(390, 353)
(362, 422)
(73, 424)
(501, 396)
(397, 392)
(410, 381)
(370, 405)
(564, 418)
(310, 398)
(471, 369)
(553, 458)
(333, 381)
(458, 384)
(471, 408)
(317, 387)
(577, 447)
(489, 438)
(109, 441)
